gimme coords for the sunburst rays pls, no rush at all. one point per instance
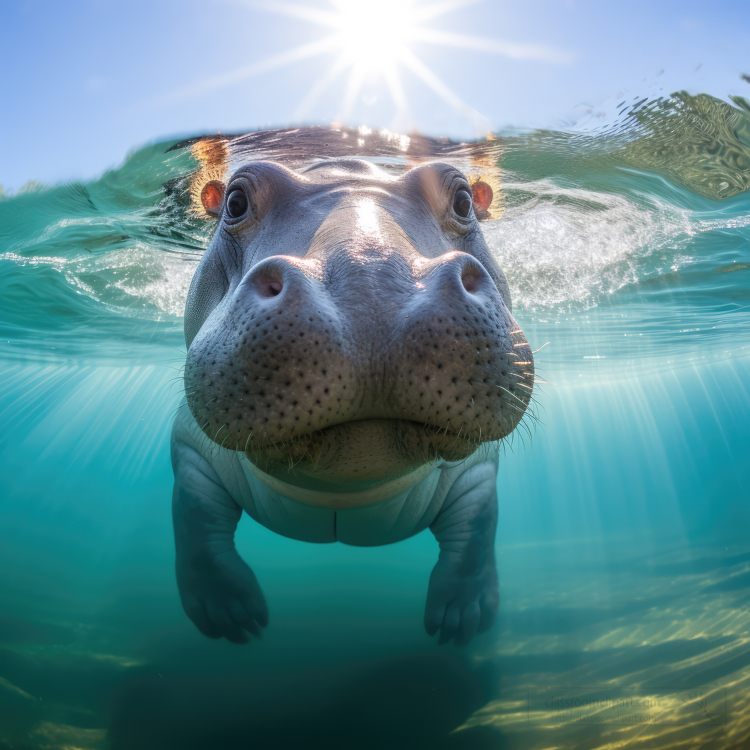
(372, 43)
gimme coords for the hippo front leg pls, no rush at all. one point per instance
(462, 597)
(219, 592)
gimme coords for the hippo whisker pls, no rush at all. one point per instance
(515, 408)
(293, 463)
(526, 413)
(502, 389)
(520, 432)
(247, 442)
(520, 437)
(178, 408)
(524, 406)
(534, 418)
(523, 412)
(524, 423)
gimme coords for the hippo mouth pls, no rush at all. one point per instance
(373, 444)
(342, 433)
(359, 454)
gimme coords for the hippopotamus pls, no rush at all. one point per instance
(353, 366)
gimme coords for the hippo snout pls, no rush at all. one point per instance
(361, 348)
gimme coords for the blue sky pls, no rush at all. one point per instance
(86, 81)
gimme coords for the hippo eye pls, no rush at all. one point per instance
(462, 203)
(236, 204)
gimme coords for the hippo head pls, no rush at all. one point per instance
(346, 327)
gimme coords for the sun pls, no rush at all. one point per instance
(373, 40)
(374, 36)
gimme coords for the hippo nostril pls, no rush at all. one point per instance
(470, 280)
(269, 287)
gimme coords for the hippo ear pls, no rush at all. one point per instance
(211, 197)
(482, 196)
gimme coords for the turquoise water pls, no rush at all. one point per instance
(623, 546)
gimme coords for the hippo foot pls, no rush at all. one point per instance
(460, 603)
(221, 595)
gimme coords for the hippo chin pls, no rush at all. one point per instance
(352, 364)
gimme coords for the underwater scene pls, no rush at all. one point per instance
(622, 546)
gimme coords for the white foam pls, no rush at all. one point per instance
(567, 246)
(166, 280)
(138, 281)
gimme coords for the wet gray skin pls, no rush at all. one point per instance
(351, 348)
